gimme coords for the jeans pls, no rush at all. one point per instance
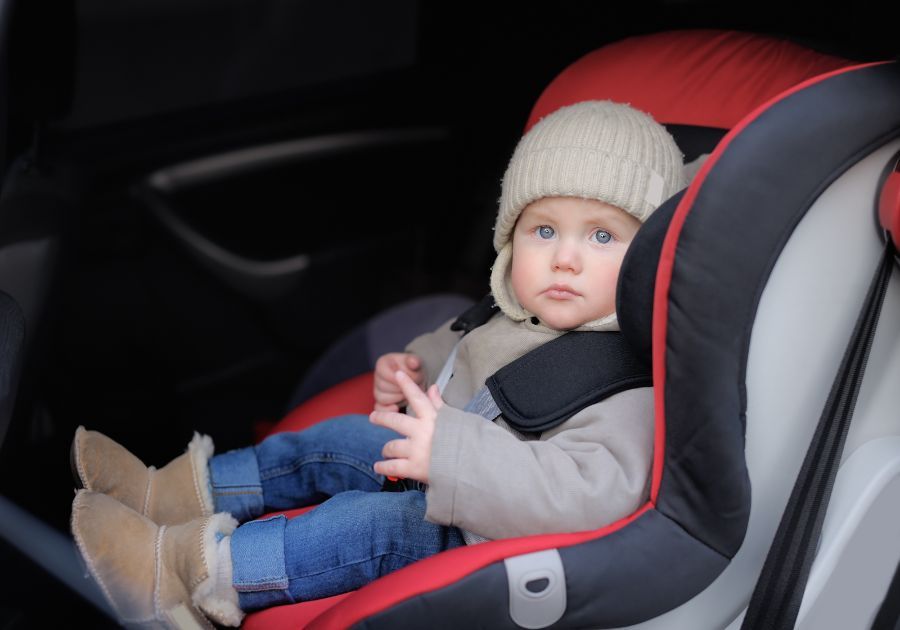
(354, 537)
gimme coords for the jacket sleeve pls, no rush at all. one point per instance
(433, 349)
(586, 473)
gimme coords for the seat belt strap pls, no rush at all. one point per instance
(483, 404)
(475, 316)
(447, 371)
(888, 617)
(776, 599)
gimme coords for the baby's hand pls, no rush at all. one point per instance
(409, 458)
(388, 395)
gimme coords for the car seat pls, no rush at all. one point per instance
(752, 305)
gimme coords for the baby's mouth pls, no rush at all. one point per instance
(561, 292)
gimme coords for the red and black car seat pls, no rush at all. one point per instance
(688, 297)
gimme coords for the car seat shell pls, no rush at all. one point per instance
(359, 608)
(799, 332)
(815, 322)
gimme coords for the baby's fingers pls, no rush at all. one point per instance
(386, 382)
(415, 397)
(401, 423)
(386, 366)
(434, 395)
(399, 468)
(397, 449)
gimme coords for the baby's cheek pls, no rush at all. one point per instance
(522, 275)
(606, 281)
(609, 277)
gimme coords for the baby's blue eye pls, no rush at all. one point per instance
(545, 232)
(602, 236)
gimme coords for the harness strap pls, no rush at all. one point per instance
(547, 386)
(476, 315)
(483, 404)
(447, 370)
(472, 318)
(888, 616)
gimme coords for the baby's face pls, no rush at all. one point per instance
(567, 252)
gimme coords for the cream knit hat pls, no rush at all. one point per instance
(595, 150)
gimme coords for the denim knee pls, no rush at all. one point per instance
(235, 484)
(356, 537)
(259, 573)
(328, 458)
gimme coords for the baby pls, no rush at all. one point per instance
(165, 544)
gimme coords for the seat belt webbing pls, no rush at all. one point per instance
(447, 371)
(779, 591)
(888, 616)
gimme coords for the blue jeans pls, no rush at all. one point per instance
(354, 537)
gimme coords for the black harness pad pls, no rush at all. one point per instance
(550, 384)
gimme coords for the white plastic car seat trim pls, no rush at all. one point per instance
(805, 316)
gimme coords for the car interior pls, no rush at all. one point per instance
(214, 217)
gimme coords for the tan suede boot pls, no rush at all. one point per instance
(176, 493)
(154, 576)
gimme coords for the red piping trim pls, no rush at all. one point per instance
(667, 263)
(889, 206)
(446, 568)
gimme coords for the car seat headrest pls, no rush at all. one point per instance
(729, 73)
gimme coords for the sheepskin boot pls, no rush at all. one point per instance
(156, 576)
(176, 493)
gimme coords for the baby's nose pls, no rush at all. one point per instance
(566, 257)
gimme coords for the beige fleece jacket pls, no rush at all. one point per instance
(494, 482)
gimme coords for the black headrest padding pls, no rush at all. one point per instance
(694, 140)
(637, 279)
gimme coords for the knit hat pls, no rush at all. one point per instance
(594, 150)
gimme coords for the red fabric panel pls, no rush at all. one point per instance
(289, 513)
(709, 78)
(290, 616)
(889, 206)
(667, 263)
(444, 569)
(352, 396)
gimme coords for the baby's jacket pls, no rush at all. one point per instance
(493, 482)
